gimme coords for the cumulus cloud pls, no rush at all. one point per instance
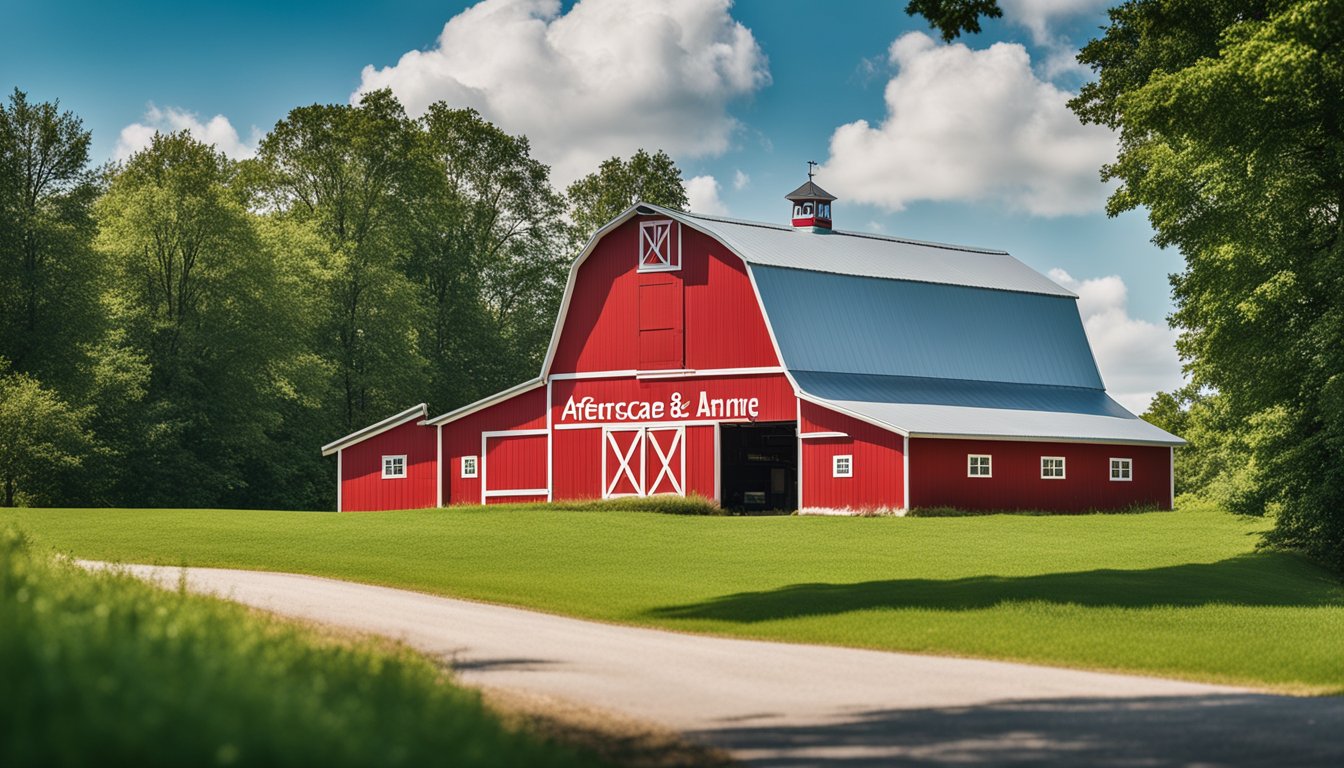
(971, 125)
(1137, 358)
(740, 180)
(703, 194)
(1040, 18)
(217, 131)
(605, 78)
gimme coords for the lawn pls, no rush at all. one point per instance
(103, 669)
(1181, 594)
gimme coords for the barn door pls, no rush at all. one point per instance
(661, 341)
(622, 462)
(665, 460)
(643, 461)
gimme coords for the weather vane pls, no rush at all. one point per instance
(810, 165)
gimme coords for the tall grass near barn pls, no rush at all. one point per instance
(99, 668)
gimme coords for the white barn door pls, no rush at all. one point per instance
(643, 461)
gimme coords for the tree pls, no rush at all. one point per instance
(489, 252)
(41, 437)
(347, 172)
(192, 294)
(618, 184)
(953, 17)
(1231, 121)
(49, 277)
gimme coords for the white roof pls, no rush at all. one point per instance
(414, 412)
(866, 255)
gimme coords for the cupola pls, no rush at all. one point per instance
(811, 205)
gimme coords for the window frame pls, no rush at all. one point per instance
(1062, 467)
(475, 467)
(971, 463)
(1127, 467)
(667, 262)
(847, 459)
(404, 468)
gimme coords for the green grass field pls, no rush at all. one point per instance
(103, 669)
(1181, 594)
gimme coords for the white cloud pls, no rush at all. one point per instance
(1039, 16)
(740, 180)
(217, 131)
(1137, 358)
(703, 194)
(970, 125)
(606, 78)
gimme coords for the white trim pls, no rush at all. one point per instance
(486, 435)
(481, 467)
(475, 467)
(821, 435)
(848, 459)
(1062, 467)
(340, 480)
(828, 405)
(989, 464)
(651, 424)
(405, 470)
(486, 402)
(718, 460)
(1037, 439)
(624, 469)
(438, 466)
(516, 432)
(1129, 466)
(518, 492)
(680, 373)
(550, 446)
(905, 471)
(1171, 465)
(377, 428)
(798, 428)
(665, 460)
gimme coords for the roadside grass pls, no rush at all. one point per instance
(1181, 594)
(101, 668)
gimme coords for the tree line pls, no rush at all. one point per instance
(182, 329)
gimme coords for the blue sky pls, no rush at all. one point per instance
(978, 151)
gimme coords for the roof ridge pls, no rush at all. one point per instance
(845, 233)
(819, 269)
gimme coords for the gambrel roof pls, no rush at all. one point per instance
(922, 338)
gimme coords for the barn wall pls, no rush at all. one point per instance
(602, 327)
(463, 438)
(515, 463)
(878, 462)
(938, 476)
(577, 468)
(363, 488)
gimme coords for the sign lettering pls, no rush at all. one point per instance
(675, 408)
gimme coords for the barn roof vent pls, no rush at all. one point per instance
(811, 205)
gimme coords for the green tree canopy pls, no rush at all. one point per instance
(618, 184)
(41, 438)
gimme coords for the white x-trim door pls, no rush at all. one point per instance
(666, 460)
(622, 462)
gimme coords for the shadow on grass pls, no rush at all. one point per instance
(1260, 579)
(1226, 730)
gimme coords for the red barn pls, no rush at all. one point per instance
(782, 367)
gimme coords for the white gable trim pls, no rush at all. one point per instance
(484, 403)
(391, 422)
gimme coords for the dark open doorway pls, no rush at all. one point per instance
(758, 467)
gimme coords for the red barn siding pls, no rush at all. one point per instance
(602, 327)
(577, 469)
(363, 488)
(938, 476)
(702, 455)
(515, 463)
(878, 464)
(463, 438)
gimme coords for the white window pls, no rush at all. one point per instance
(1122, 470)
(1052, 467)
(797, 211)
(824, 210)
(469, 466)
(842, 466)
(394, 467)
(978, 465)
(657, 251)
